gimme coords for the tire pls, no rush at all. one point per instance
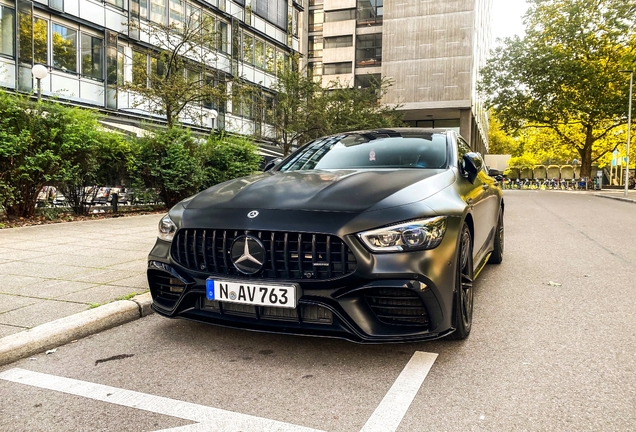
(497, 254)
(464, 291)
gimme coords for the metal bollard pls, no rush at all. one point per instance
(115, 201)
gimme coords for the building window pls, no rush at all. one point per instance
(139, 68)
(222, 35)
(157, 67)
(370, 12)
(337, 68)
(158, 11)
(295, 17)
(369, 50)
(41, 41)
(274, 11)
(57, 4)
(259, 53)
(176, 14)
(64, 48)
(193, 17)
(118, 3)
(248, 48)
(366, 81)
(34, 37)
(7, 31)
(316, 18)
(92, 56)
(270, 61)
(143, 9)
(315, 46)
(340, 15)
(316, 2)
(339, 41)
(121, 62)
(314, 69)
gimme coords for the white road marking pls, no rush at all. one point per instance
(213, 419)
(388, 415)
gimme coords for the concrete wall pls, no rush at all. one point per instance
(427, 49)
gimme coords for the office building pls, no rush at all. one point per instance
(431, 51)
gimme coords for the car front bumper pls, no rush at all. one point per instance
(391, 297)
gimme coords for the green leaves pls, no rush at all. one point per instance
(564, 74)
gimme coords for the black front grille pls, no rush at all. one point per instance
(397, 306)
(289, 255)
(165, 288)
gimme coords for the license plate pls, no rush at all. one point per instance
(251, 293)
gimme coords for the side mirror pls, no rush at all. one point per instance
(271, 164)
(470, 166)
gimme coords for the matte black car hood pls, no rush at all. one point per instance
(336, 191)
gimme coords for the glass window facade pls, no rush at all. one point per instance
(370, 12)
(337, 68)
(92, 57)
(7, 31)
(64, 48)
(339, 41)
(369, 50)
(315, 46)
(139, 68)
(340, 15)
(316, 20)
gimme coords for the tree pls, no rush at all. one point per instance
(299, 112)
(360, 108)
(178, 80)
(304, 110)
(564, 74)
(169, 162)
(499, 142)
(47, 143)
(226, 157)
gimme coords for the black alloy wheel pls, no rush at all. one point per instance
(464, 292)
(497, 254)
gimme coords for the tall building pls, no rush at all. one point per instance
(91, 47)
(431, 50)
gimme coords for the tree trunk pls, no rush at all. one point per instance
(586, 153)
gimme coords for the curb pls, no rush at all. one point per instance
(618, 198)
(70, 328)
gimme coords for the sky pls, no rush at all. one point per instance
(506, 20)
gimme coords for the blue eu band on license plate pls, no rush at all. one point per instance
(251, 293)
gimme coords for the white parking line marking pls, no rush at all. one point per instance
(388, 415)
(212, 418)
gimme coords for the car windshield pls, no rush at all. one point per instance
(372, 150)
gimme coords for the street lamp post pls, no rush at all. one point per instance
(629, 128)
(39, 72)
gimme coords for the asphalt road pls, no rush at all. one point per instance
(552, 348)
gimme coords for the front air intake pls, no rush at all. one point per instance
(397, 306)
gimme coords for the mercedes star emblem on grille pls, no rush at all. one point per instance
(248, 254)
(252, 214)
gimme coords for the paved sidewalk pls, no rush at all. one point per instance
(618, 194)
(48, 272)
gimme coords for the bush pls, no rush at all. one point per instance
(227, 157)
(169, 161)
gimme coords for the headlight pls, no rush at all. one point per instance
(413, 235)
(167, 228)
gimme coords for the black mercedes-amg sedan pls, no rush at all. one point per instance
(372, 236)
